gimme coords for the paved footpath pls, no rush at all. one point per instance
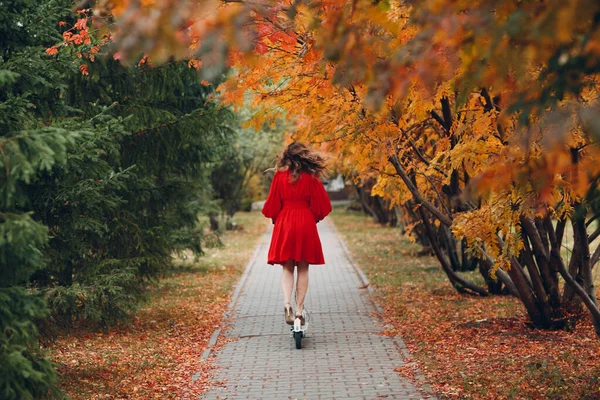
(343, 354)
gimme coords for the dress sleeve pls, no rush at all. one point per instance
(273, 204)
(320, 205)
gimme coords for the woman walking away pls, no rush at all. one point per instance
(297, 201)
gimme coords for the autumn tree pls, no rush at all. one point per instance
(431, 137)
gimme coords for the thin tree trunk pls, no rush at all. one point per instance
(494, 285)
(501, 275)
(418, 198)
(591, 306)
(460, 284)
(506, 281)
(381, 210)
(536, 280)
(569, 291)
(363, 201)
(595, 258)
(450, 245)
(584, 264)
(551, 276)
(527, 296)
(541, 229)
(540, 249)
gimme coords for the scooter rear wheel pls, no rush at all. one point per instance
(298, 338)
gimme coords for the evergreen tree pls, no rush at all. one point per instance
(129, 195)
(103, 176)
(28, 146)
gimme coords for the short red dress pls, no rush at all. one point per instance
(295, 208)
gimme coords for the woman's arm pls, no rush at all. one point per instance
(320, 205)
(272, 206)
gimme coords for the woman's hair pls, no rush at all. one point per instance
(298, 157)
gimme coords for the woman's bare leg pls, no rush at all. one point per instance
(301, 285)
(287, 281)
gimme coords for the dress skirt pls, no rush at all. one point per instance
(295, 208)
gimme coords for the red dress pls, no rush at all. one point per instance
(295, 209)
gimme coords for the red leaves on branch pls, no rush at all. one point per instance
(81, 24)
(79, 35)
(261, 48)
(83, 68)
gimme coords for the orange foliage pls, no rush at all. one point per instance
(359, 78)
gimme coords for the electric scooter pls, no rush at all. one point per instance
(298, 330)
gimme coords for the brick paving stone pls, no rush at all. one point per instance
(343, 355)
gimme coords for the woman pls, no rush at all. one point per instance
(297, 201)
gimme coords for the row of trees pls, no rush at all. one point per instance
(479, 118)
(105, 169)
(486, 141)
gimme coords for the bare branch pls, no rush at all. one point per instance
(446, 220)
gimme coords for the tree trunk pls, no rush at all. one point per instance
(460, 284)
(539, 318)
(375, 206)
(418, 230)
(449, 245)
(214, 222)
(584, 255)
(494, 285)
(66, 276)
(591, 306)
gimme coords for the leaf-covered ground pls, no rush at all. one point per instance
(467, 347)
(156, 356)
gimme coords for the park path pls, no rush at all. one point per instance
(343, 355)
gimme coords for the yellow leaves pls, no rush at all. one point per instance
(403, 67)
(443, 144)
(306, 18)
(379, 188)
(391, 188)
(258, 119)
(231, 93)
(494, 227)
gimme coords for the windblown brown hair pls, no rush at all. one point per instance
(298, 157)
